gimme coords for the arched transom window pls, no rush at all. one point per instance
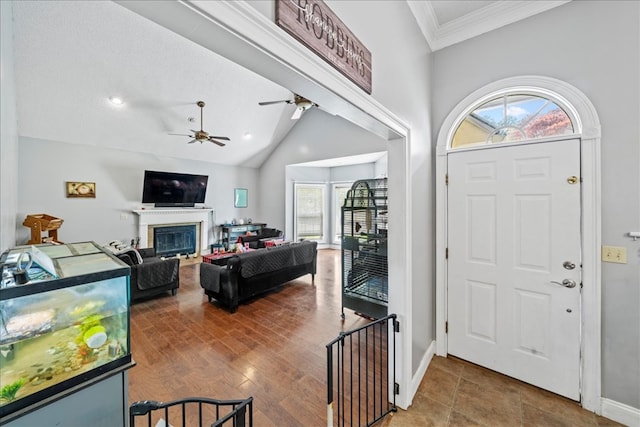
(510, 118)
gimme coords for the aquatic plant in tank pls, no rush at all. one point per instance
(8, 392)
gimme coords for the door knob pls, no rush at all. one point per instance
(567, 283)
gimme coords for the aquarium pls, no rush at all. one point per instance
(65, 325)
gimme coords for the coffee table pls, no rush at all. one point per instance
(218, 259)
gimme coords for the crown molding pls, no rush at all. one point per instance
(427, 20)
(488, 18)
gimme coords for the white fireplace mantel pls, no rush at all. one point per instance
(151, 217)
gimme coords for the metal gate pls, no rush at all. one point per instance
(361, 374)
(192, 411)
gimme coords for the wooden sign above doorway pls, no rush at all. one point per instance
(315, 25)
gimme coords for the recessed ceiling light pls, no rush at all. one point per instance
(115, 100)
(247, 135)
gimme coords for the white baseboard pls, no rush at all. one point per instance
(619, 412)
(422, 369)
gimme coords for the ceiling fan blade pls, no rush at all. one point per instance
(221, 144)
(297, 113)
(181, 134)
(192, 141)
(224, 138)
(288, 101)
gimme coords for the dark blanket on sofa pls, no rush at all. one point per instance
(252, 273)
(154, 272)
(210, 277)
(254, 263)
(150, 275)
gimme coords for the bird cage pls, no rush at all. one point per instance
(364, 248)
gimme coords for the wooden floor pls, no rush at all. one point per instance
(273, 349)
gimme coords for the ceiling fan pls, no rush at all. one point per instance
(201, 135)
(302, 105)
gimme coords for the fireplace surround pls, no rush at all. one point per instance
(149, 218)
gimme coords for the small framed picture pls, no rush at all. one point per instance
(81, 189)
(240, 197)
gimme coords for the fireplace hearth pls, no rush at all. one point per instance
(174, 239)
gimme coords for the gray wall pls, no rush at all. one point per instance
(8, 131)
(401, 62)
(45, 166)
(326, 176)
(401, 82)
(318, 136)
(353, 172)
(594, 46)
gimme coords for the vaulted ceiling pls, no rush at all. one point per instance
(71, 57)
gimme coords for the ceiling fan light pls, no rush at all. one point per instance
(297, 113)
(201, 135)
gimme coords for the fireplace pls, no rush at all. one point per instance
(149, 219)
(174, 239)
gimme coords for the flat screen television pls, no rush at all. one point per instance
(170, 189)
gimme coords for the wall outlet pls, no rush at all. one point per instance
(124, 217)
(614, 254)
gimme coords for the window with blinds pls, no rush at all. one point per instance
(309, 212)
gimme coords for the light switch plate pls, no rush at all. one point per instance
(616, 254)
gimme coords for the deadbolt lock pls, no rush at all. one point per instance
(568, 265)
(572, 179)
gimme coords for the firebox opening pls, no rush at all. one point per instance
(172, 240)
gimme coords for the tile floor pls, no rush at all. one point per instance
(457, 393)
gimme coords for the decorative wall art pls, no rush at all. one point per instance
(81, 189)
(240, 196)
(317, 27)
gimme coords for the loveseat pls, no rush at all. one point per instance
(252, 273)
(151, 275)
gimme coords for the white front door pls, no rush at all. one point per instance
(513, 258)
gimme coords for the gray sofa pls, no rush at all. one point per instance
(252, 273)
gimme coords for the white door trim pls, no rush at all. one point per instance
(239, 32)
(588, 130)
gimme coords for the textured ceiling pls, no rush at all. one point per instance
(71, 56)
